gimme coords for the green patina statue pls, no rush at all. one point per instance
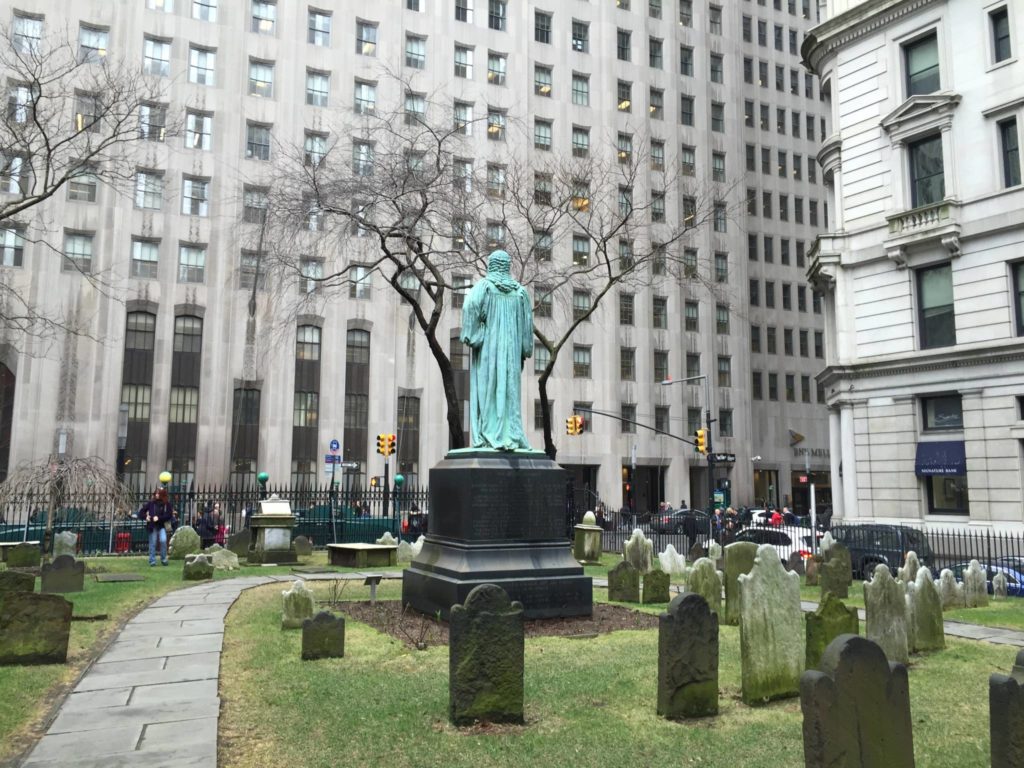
(497, 324)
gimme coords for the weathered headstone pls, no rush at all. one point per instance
(624, 583)
(714, 552)
(811, 567)
(929, 633)
(184, 542)
(224, 560)
(886, 614)
(656, 587)
(34, 628)
(1000, 586)
(704, 580)
(696, 553)
(65, 543)
(908, 607)
(303, 546)
(688, 659)
(64, 574)
(830, 620)
(856, 709)
(638, 551)
(1006, 716)
(485, 658)
(907, 573)
(404, 552)
(835, 574)
(951, 591)
(795, 563)
(387, 538)
(739, 558)
(672, 563)
(299, 604)
(826, 543)
(240, 542)
(587, 541)
(418, 545)
(772, 643)
(25, 555)
(197, 567)
(16, 581)
(975, 585)
(323, 637)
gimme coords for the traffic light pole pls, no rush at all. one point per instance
(387, 465)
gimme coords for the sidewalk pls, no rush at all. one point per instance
(151, 699)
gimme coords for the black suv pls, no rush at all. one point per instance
(675, 521)
(874, 543)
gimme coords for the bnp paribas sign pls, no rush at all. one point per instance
(820, 452)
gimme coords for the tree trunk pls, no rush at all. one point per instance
(444, 367)
(545, 411)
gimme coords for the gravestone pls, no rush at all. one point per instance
(951, 591)
(624, 583)
(65, 543)
(224, 560)
(772, 643)
(24, 555)
(34, 628)
(323, 637)
(975, 585)
(303, 546)
(830, 620)
(184, 542)
(705, 581)
(908, 606)
(835, 573)
(999, 586)
(418, 546)
(240, 542)
(299, 604)
(639, 551)
(672, 563)
(929, 633)
(811, 567)
(1006, 716)
(688, 659)
(907, 573)
(587, 541)
(63, 575)
(795, 563)
(886, 614)
(387, 539)
(197, 567)
(826, 543)
(739, 558)
(16, 581)
(696, 553)
(856, 709)
(404, 552)
(656, 587)
(485, 658)
(715, 553)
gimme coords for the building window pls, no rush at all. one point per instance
(542, 27)
(754, 293)
(27, 33)
(365, 99)
(624, 96)
(1018, 296)
(249, 273)
(261, 78)
(306, 410)
(257, 141)
(942, 412)
(804, 346)
(756, 385)
(623, 44)
(717, 117)
(188, 334)
(921, 60)
(655, 53)
(689, 262)
(947, 495)
(725, 371)
(627, 412)
(254, 204)
(936, 318)
(719, 217)
(692, 366)
(715, 19)
(543, 302)
(184, 405)
(156, 56)
(366, 38)
(580, 89)
(626, 307)
(659, 312)
(717, 68)
(927, 185)
(360, 283)
(580, 304)
(195, 196)
(204, 10)
(307, 343)
(686, 110)
(725, 422)
(202, 64)
(464, 11)
(656, 108)
(198, 130)
(541, 357)
(721, 267)
(542, 134)
(657, 155)
(264, 17)
(1000, 20)
(78, 252)
(627, 363)
(314, 148)
(12, 247)
(542, 80)
(311, 273)
(137, 397)
(415, 52)
(722, 319)
(691, 316)
(496, 124)
(82, 187)
(149, 190)
(191, 263)
(661, 365)
(819, 344)
(790, 388)
(580, 362)
(497, 14)
(463, 62)
(755, 338)
(580, 250)
(1009, 144)
(580, 36)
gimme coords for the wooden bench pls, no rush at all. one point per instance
(5, 546)
(362, 555)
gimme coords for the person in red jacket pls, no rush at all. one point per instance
(776, 518)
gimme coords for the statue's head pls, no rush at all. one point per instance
(499, 262)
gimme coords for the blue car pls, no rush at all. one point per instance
(1014, 572)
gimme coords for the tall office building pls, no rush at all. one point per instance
(215, 396)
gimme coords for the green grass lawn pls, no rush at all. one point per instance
(588, 702)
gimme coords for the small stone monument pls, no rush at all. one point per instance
(696, 553)
(34, 628)
(811, 568)
(197, 567)
(624, 583)
(826, 543)
(587, 543)
(975, 585)
(688, 659)
(856, 709)
(299, 604)
(907, 573)
(404, 551)
(272, 528)
(835, 574)
(739, 558)
(656, 587)
(240, 542)
(795, 563)
(387, 539)
(929, 632)
(672, 563)
(65, 543)
(1000, 586)
(323, 637)
(418, 546)
(63, 575)
(639, 551)
(24, 555)
(705, 581)
(772, 641)
(224, 560)
(714, 552)
(485, 658)
(1006, 716)
(886, 614)
(16, 581)
(830, 620)
(183, 543)
(951, 591)
(303, 546)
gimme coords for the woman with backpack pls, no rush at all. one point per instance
(159, 516)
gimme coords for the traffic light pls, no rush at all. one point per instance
(700, 438)
(579, 424)
(382, 444)
(392, 439)
(574, 425)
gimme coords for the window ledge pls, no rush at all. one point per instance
(925, 225)
(1000, 64)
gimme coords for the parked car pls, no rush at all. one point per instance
(872, 544)
(781, 540)
(674, 521)
(1014, 576)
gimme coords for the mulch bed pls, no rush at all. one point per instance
(416, 630)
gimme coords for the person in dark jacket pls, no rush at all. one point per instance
(159, 516)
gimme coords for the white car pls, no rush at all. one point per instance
(782, 540)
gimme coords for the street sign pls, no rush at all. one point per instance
(349, 464)
(725, 458)
(331, 458)
(335, 445)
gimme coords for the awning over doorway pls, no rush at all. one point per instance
(944, 457)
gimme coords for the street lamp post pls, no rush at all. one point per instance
(708, 421)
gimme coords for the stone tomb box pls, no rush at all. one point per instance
(272, 529)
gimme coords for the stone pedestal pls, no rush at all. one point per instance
(272, 533)
(587, 544)
(498, 518)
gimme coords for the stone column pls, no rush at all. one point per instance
(849, 459)
(835, 444)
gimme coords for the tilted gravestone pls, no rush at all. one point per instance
(240, 542)
(739, 558)
(830, 620)
(835, 574)
(63, 575)
(65, 543)
(303, 546)
(907, 573)
(856, 709)
(1000, 586)
(323, 637)
(1006, 716)
(772, 643)
(696, 553)
(624, 583)
(705, 581)
(485, 658)
(672, 562)
(886, 614)
(975, 585)
(929, 633)
(34, 628)
(811, 568)
(688, 659)
(197, 567)
(25, 555)
(16, 581)
(656, 587)
(639, 551)
(795, 563)
(298, 605)
(951, 591)
(184, 542)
